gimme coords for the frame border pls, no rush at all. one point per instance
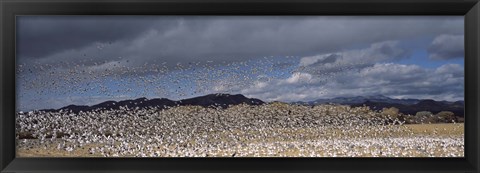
(11, 8)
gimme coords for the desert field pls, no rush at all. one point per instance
(270, 130)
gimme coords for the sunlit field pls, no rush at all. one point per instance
(270, 130)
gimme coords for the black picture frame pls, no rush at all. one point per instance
(9, 9)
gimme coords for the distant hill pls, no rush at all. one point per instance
(406, 106)
(221, 100)
(360, 99)
(211, 100)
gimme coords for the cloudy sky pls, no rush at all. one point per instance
(85, 60)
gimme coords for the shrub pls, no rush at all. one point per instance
(446, 116)
(423, 117)
(391, 113)
(423, 114)
(460, 119)
(26, 135)
(432, 119)
(409, 119)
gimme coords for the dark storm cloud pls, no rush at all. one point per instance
(183, 39)
(447, 47)
(328, 59)
(353, 59)
(41, 36)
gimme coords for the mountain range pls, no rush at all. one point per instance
(360, 99)
(211, 100)
(375, 102)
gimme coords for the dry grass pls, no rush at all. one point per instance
(437, 129)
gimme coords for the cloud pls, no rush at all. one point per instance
(394, 80)
(451, 69)
(393, 73)
(353, 59)
(40, 36)
(299, 78)
(447, 47)
(173, 39)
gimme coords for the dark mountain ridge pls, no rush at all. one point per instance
(211, 100)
